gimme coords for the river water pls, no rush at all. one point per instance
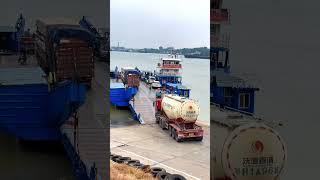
(195, 74)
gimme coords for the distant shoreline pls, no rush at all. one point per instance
(185, 56)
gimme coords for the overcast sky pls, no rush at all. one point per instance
(154, 23)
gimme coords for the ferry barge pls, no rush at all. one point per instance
(124, 86)
(32, 109)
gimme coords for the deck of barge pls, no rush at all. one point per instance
(92, 130)
(153, 146)
(143, 104)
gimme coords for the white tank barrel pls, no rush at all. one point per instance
(176, 107)
(244, 149)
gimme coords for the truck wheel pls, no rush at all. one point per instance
(163, 125)
(163, 175)
(176, 177)
(176, 136)
(173, 134)
(170, 131)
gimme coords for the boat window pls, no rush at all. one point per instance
(244, 100)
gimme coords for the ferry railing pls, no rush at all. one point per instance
(240, 111)
(243, 113)
(160, 65)
(171, 74)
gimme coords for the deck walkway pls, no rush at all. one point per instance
(93, 135)
(143, 104)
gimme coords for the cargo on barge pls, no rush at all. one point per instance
(64, 50)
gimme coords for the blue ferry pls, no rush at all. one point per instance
(123, 86)
(121, 95)
(170, 77)
(30, 108)
(232, 92)
(227, 90)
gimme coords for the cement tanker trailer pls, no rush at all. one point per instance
(245, 148)
(178, 115)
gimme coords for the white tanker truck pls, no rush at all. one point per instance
(245, 148)
(178, 115)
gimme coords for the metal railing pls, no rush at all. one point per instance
(170, 66)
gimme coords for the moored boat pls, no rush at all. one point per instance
(169, 70)
(120, 95)
(29, 109)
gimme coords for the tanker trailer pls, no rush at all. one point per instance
(245, 148)
(178, 115)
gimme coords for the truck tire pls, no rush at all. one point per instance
(173, 134)
(163, 125)
(170, 131)
(176, 136)
(156, 170)
(162, 175)
(175, 177)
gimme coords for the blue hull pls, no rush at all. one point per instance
(120, 96)
(31, 112)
